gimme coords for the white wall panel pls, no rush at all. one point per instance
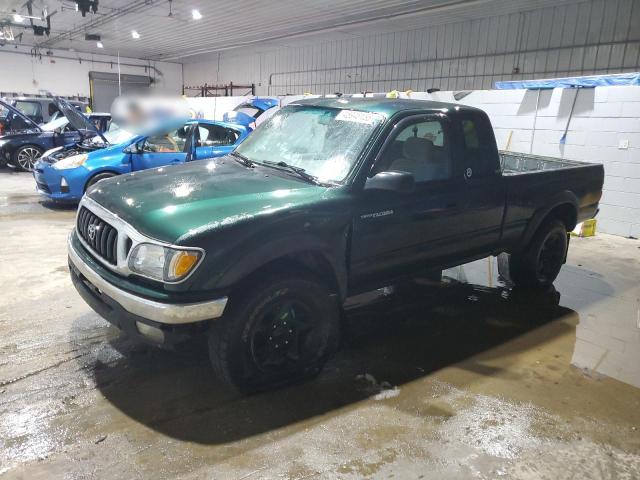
(64, 74)
(596, 36)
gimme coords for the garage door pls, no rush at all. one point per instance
(104, 88)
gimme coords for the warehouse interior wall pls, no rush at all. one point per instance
(585, 37)
(67, 73)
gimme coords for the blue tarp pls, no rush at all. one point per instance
(573, 82)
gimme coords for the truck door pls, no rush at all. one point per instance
(484, 199)
(214, 140)
(163, 149)
(397, 232)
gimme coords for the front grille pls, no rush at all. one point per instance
(100, 236)
(43, 187)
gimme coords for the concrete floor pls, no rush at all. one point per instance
(464, 379)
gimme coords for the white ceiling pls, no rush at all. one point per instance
(240, 23)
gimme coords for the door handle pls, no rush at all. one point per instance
(433, 211)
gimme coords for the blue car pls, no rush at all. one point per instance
(248, 112)
(63, 175)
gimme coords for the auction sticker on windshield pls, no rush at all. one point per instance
(359, 117)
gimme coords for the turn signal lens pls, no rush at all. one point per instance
(182, 263)
(161, 263)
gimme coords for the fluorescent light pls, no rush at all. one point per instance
(18, 18)
(196, 14)
(99, 45)
(135, 34)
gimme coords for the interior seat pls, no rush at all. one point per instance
(420, 158)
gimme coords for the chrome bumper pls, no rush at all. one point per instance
(173, 314)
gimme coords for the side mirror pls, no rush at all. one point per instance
(58, 131)
(394, 181)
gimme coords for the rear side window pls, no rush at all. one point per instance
(30, 109)
(53, 109)
(215, 135)
(479, 147)
(470, 134)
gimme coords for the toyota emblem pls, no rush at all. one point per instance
(91, 231)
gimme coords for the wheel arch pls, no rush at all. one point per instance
(95, 173)
(563, 207)
(299, 252)
(312, 261)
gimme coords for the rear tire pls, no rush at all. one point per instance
(277, 331)
(540, 263)
(96, 178)
(25, 157)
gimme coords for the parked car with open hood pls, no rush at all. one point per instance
(63, 175)
(23, 145)
(42, 109)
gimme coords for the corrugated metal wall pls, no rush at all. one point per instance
(598, 36)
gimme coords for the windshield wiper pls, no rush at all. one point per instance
(244, 160)
(301, 172)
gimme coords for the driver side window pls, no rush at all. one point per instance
(170, 142)
(419, 148)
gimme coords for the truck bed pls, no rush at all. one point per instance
(535, 183)
(513, 163)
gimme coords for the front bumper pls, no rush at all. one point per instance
(48, 182)
(125, 309)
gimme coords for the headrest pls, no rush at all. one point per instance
(417, 148)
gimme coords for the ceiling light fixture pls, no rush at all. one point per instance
(135, 34)
(196, 14)
(18, 18)
(99, 45)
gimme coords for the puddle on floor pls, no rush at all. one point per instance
(608, 331)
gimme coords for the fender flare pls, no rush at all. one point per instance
(563, 198)
(284, 249)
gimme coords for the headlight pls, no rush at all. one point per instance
(2, 142)
(163, 263)
(71, 162)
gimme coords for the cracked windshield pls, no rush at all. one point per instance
(326, 142)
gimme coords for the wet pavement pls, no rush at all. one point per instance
(463, 378)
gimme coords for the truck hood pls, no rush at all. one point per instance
(174, 204)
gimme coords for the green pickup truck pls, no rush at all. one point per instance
(259, 250)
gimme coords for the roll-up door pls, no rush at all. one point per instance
(104, 88)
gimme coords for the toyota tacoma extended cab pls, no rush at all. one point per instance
(258, 250)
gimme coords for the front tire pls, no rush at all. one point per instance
(540, 263)
(277, 331)
(25, 157)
